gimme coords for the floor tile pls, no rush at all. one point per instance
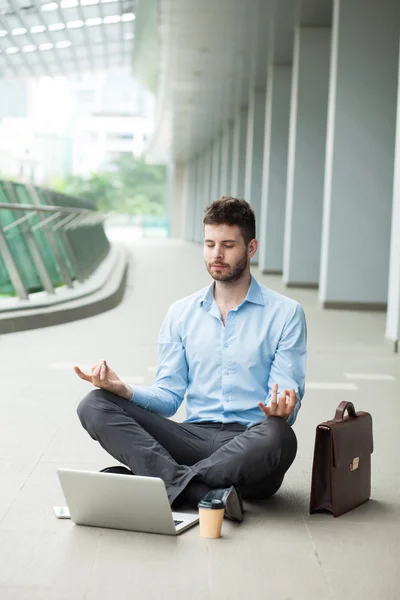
(149, 566)
(269, 568)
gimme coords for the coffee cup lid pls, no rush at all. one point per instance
(213, 504)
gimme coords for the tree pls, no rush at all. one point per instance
(128, 186)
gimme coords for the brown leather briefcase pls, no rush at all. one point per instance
(341, 475)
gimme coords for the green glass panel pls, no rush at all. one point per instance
(17, 244)
(85, 246)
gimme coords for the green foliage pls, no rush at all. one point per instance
(129, 186)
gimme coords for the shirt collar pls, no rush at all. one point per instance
(254, 295)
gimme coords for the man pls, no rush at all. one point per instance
(238, 349)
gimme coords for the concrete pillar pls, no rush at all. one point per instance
(169, 194)
(360, 154)
(190, 200)
(273, 196)
(306, 156)
(215, 168)
(199, 197)
(178, 200)
(204, 188)
(393, 309)
(207, 176)
(255, 150)
(226, 161)
(239, 152)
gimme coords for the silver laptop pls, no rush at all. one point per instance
(120, 502)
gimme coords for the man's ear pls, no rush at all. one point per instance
(252, 248)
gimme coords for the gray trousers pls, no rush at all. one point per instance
(191, 458)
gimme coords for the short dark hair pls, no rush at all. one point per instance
(232, 211)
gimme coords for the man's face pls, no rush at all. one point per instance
(225, 253)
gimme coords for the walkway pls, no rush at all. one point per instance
(279, 552)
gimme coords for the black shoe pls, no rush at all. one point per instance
(119, 470)
(232, 501)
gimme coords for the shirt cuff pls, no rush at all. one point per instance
(140, 397)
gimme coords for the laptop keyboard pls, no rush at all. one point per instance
(177, 522)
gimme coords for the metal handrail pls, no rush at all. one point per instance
(72, 217)
(46, 207)
(82, 213)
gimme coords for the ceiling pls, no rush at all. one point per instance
(211, 53)
(64, 37)
(208, 65)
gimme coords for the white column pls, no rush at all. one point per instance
(360, 154)
(178, 200)
(207, 176)
(199, 197)
(204, 187)
(273, 196)
(239, 153)
(393, 309)
(215, 168)
(190, 200)
(255, 150)
(226, 161)
(306, 158)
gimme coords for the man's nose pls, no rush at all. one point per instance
(217, 252)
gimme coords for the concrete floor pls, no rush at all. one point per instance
(279, 552)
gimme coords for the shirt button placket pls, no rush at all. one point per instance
(229, 334)
(225, 363)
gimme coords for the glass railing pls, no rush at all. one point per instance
(47, 239)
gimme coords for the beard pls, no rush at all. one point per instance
(232, 273)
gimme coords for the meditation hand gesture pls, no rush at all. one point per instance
(279, 407)
(105, 378)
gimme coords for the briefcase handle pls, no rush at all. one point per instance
(339, 415)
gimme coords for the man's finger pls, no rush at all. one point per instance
(281, 408)
(265, 409)
(103, 372)
(292, 402)
(274, 399)
(83, 375)
(281, 404)
(96, 371)
(96, 375)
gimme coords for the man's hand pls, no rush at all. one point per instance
(105, 378)
(279, 407)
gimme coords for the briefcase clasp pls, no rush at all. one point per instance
(355, 463)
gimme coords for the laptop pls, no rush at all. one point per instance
(120, 502)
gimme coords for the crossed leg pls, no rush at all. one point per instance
(191, 458)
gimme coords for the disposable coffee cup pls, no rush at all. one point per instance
(211, 515)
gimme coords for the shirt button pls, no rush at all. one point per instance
(226, 372)
(226, 345)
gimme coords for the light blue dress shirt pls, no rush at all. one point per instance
(227, 369)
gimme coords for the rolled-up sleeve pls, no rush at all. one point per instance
(288, 368)
(168, 391)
